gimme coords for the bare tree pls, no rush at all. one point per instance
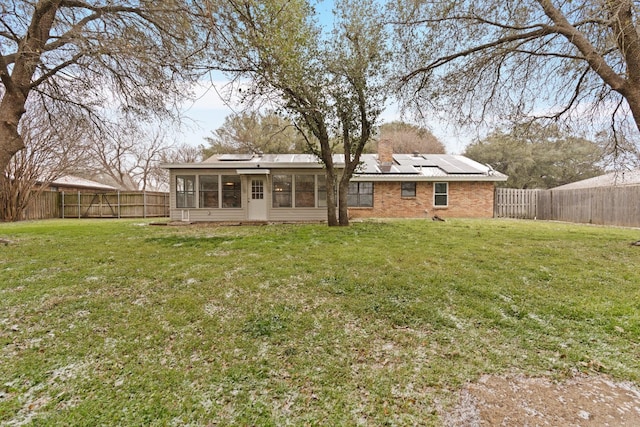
(128, 157)
(183, 153)
(49, 153)
(158, 177)
(93, 57)
(328, 86)
(558, 60)
(409, 138)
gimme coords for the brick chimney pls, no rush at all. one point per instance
(385, 152)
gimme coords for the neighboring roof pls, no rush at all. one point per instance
(405, 167)
(613, 179)
(77, 182)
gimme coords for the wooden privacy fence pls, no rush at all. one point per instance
(618, 206)
(515, 203)
(98, 205)
(44, 205)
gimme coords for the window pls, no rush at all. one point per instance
(257, 189)
(305, 191)
(322, 191)
(360, 194)
(282, 191)
(185, 191)
(408, 189)
(208, 191)
(440, 194)
(231, 191)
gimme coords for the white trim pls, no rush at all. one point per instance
(440, 194)
(422, 178)
(252, 171)
(239, 165)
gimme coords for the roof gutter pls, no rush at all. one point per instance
(422, 178)
(245, 165)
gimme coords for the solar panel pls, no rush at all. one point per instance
(407, 159)
(453, 165)
(235, 157)
(367, 165)
(403, 169)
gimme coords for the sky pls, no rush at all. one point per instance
(207, 113)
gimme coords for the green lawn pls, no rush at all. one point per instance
(121, 323)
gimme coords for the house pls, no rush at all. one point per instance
(612, 179)
(70, 183)
(292, 187)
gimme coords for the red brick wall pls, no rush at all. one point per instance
(466, 200)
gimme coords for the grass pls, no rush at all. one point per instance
(122, 323)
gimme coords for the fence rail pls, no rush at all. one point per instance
(139, 204)
(618, 206)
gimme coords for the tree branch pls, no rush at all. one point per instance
(575, 37)
(627, 37)
(546, 30)
(53, 71)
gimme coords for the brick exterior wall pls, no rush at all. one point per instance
(466, 200)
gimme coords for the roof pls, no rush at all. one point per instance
(405, 167)
(613, 179)
(77, 182)
(425, 167)
(235, 161)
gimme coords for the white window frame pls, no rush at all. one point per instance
(186, 193)
(202, 192)
(230, 192)
(437, 194)
(296, 192)
(282, 185)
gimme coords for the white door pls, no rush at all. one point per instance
(257, 200)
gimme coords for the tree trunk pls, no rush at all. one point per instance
(9, 199)
(10, 143)
(332, 218)
(343, 210)
(17, 83)
(11, 111)
(632, 95)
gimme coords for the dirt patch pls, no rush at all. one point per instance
(523, 401)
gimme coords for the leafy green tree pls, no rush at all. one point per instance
(331, 86)
(538, 158)
(409, 138)
(82, 60)
(255, 132)
(548, 59)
